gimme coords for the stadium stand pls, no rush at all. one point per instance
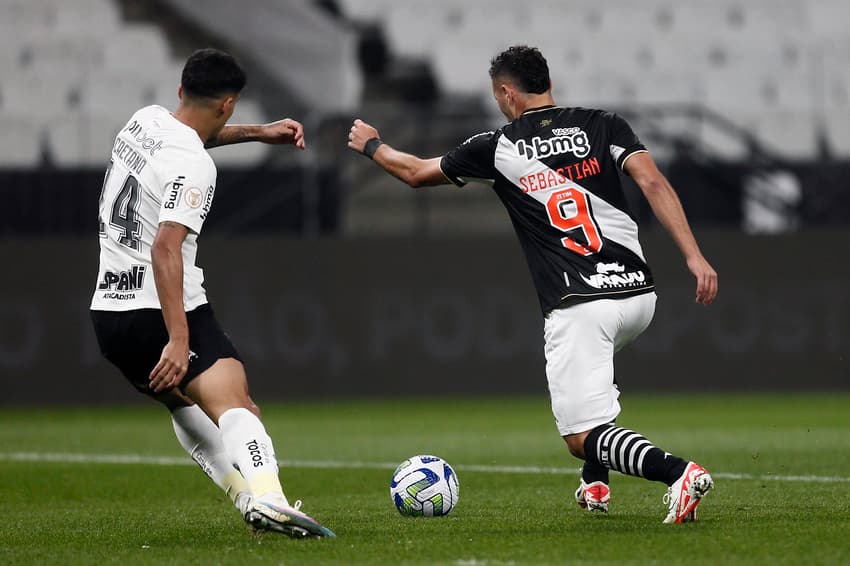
(79, 139)
(20, 143)
(756, 83)
(754, 60)
(65, 91)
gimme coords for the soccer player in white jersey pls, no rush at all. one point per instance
(556, 171)
(149, 308)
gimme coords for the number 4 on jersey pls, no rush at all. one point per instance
(123, 211)
(569, 210)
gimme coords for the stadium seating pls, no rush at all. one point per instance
(836, 96)
(827, 19)
(116, 93)
(791, 134)
(759, 62)
(65, 90)
(20, 143)
(37, 97)
(82, 139)
(771, 65)
(142, 50)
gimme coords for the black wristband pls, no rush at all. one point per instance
(372, 145)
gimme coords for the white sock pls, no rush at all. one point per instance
(245, 439)
(201, 439)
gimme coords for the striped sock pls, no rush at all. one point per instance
(593, 471)
(629, 453)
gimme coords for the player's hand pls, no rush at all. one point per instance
(360, 133)
(706, 280)
(172, 366)
(286, 131)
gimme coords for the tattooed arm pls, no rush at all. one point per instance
(286, 131)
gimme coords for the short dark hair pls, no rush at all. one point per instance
(523, 65)
(210, 73)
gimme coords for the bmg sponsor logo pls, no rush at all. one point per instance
(208, 202)
(172, 193)
(565, 140)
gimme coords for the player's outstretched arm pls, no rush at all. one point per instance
(413, 170)
(286, 131)
(668, 209)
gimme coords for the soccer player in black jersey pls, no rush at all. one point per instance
(556, 171)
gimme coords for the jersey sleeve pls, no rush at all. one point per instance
(188, 194)
(624, 142)
(473, 160)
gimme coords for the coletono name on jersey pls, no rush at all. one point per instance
(555, 170)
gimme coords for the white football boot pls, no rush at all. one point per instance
(243, 502)
(594, 496)
(269, 515)
(685, 494)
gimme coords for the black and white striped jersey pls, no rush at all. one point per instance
(555, 170)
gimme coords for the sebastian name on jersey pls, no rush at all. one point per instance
(159, 171)
(555, 169)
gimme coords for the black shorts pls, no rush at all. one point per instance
(133, 341)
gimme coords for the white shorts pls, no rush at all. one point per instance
(580, 344)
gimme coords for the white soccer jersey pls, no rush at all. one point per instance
(159, 171)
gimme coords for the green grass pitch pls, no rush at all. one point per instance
(92, 486)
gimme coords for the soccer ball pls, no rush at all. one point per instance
(424, 486)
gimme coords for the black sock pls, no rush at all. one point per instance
(594, 471)
(628, 452)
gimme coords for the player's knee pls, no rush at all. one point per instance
(240, 401)
(173, 399)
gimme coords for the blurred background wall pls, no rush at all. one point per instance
(335, 279)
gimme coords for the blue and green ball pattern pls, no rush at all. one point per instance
(424, 486)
